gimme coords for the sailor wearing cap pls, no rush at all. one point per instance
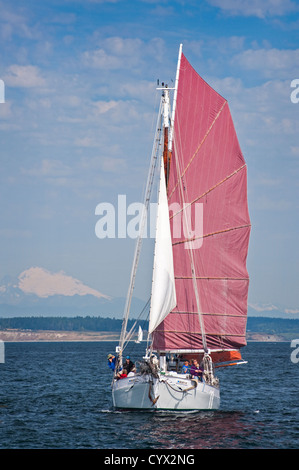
(128, 364)
(111, 361)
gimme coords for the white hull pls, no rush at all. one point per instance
(167, 392)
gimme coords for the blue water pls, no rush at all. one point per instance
(58, 396)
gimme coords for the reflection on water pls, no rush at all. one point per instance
(200, 430)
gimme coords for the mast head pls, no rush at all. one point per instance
(163, 87)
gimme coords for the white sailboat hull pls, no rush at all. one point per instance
(167, 392)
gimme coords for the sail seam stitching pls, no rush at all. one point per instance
(198, 148)
(210, 234)
(211, 314)
(199, 333)
(209, 190)
(215, 278)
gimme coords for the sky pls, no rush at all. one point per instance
(78, 118)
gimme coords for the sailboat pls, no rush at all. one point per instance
(198, 308)
(140, 335)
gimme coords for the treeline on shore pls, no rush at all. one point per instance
(254, 324)
(65, 323)
(272, 326)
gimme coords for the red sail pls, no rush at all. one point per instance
(208, 177)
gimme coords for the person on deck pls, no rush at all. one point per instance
(128, 364)
(111, 361)
(122, 374)
(132, 373)
(196, 370)
(186, 367)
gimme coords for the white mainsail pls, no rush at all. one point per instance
(163, 298)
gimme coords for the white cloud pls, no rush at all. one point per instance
(86, 142)
(103, 106)
(256, 7)
(24, 76)
(100, 59)
(49, 168)
(291, 310)
(116, 53)
(113, 165)
(13, 23)
(269, 62)
(263, 307)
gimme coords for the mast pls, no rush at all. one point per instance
(175, 98)
(167, 121)
(165, 103)
(166, 112)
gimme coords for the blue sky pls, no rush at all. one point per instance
(77, 125)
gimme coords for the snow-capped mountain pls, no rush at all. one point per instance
(43, 283)
(37, 291)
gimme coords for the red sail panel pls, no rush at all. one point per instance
(208, 187)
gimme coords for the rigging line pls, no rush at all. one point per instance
(209, 190)
(198, 148)
(188, 240)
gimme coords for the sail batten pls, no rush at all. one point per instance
(208, 170)
(215, 278)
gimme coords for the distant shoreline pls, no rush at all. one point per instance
(22, 335)
(15, 335)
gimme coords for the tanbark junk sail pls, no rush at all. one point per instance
(200, 281)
